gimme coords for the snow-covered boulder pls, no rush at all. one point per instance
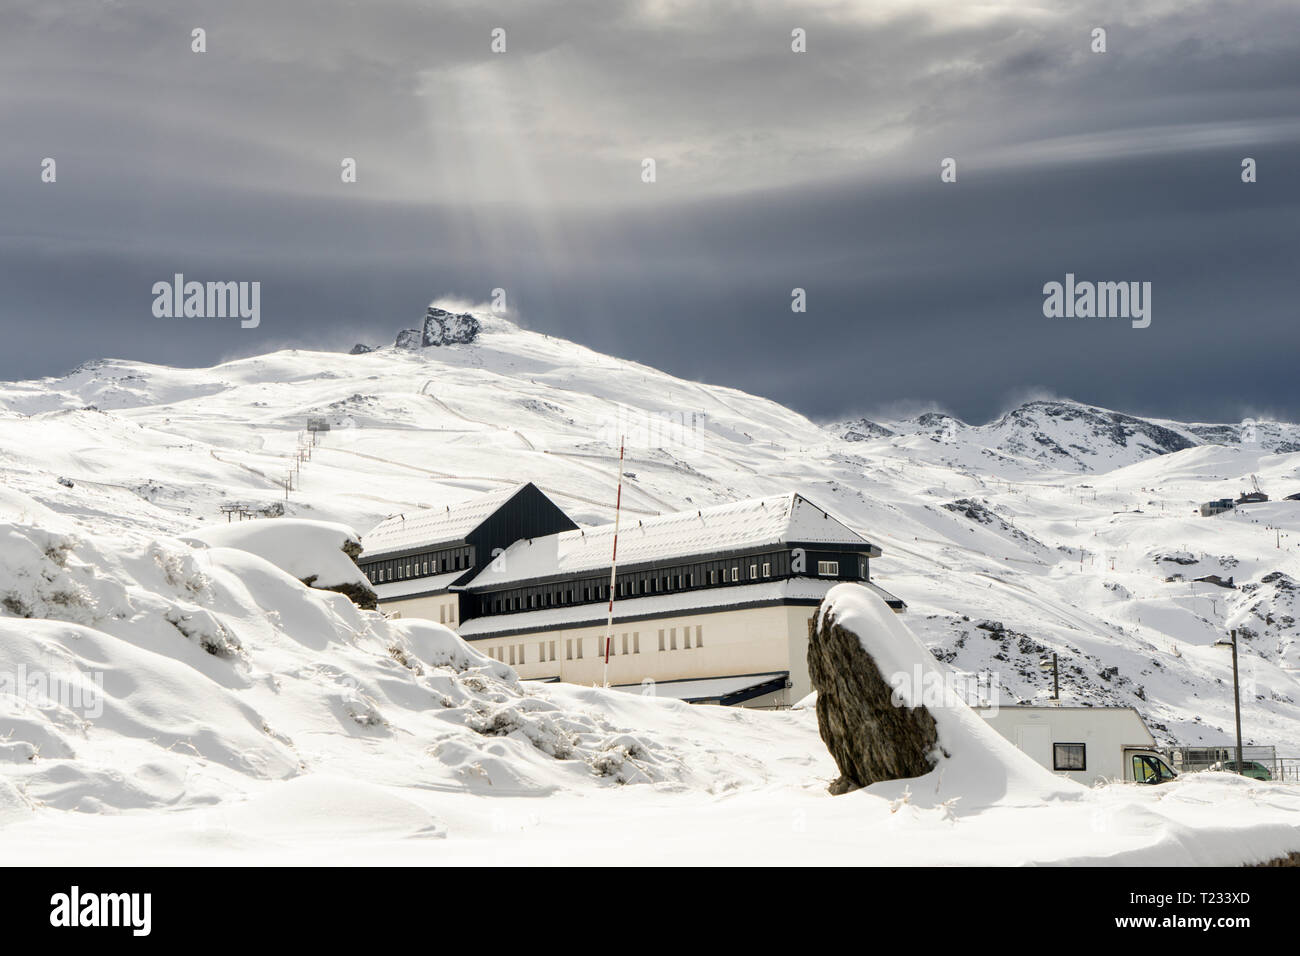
(320, 554)
(890, 715)
(870, 733)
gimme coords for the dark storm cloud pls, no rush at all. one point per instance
(818, 171)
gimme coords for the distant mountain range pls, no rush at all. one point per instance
(1076, 437)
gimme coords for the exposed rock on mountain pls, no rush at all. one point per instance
(1075, 432)
(445, 328)
(440, 328)
(862, 429)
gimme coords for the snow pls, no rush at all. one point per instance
(236, 700)
(303, 548)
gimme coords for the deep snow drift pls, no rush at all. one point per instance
(184, 705)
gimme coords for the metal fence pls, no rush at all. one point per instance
(1191, 759)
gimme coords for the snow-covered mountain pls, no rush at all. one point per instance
(1073, 436)
(1059, 528)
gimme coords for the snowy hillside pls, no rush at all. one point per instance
(1058, 528)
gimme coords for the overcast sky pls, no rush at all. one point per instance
(775, 170)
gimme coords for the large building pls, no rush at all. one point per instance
(711, 605)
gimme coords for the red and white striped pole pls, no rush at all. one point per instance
(613, 563)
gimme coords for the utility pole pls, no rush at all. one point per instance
(1056, 675)
(1236, 692)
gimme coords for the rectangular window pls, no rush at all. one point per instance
(442, 614)
(735, 574)
(568, 649)
(829, 569)
(624, 643)
(713, 577)
(753, 571)
(636, 642)
(699, 635)
(686, 638)
(661, 640)
(512, 655)
(767, 569)
(1069, 757)
(672, 638)
(523, 658)
(541, 651)
(552, 650)
(578, 642)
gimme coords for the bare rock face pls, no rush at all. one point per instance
(446, 328)
(870, 737)
(408, 339)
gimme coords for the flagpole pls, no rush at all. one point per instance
(613, 563)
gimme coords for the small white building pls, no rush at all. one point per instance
(712, 605)
(1087, 744)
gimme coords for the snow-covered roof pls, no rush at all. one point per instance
(431, 527)
(705, 688)
(739, 526)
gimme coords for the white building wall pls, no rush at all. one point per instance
(443, 608)
(695, 645)
(1107, 732)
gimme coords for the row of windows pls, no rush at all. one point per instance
(709, 574)
(575, 647)
(419, 565)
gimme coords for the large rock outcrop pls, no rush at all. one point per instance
(440, 328)
(871, 737)
(446, 328)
